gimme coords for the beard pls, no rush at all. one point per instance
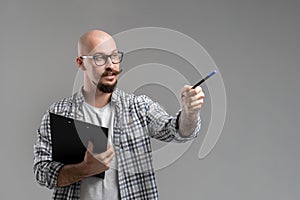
(106, 88)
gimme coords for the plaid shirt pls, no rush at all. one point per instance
(137, 118)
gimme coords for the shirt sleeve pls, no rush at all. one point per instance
(179, 137)
(45, 169)
(163, 126)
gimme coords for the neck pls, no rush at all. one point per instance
(95, 97)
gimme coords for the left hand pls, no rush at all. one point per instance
(192, 100)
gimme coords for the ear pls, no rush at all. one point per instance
(79, 63)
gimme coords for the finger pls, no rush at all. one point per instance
(110, 149)
(104, 155)
(189, 100)
(198, 89)
(109, 146)
(196, 107)
(196, 103)
(197, 97)
(193, 92)
(90, 146)
(108, 159)
(185, 90)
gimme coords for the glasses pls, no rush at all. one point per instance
(100, 59)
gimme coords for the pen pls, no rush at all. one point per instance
(208, 76)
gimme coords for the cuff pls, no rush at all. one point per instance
(179, 137)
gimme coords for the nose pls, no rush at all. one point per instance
(109, 63)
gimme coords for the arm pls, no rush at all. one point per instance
(45, 169)
(185, 126)
(52, 174)
(91, 165)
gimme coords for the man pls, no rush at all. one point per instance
(132, 120)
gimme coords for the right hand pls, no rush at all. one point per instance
(97, 163)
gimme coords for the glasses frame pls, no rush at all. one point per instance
(106, 58)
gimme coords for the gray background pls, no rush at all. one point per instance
(254, 43)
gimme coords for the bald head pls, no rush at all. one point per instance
(93, 39)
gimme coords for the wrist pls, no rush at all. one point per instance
(70, 174)
(187, 115)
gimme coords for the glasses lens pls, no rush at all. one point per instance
(99, 59)
(116, 57)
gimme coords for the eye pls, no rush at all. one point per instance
(115, 55)
(99, 57)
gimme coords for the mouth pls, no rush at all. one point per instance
(111, 73)
(109, 77)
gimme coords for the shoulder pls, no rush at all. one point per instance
(57, 107)
(60, 106)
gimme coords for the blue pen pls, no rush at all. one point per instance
(208, 76)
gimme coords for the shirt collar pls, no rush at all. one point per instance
(79, 98)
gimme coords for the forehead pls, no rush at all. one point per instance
(106, 46)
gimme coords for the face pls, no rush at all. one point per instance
(105, 77)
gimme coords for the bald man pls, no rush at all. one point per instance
(131, 121)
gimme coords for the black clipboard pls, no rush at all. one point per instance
(70, 138)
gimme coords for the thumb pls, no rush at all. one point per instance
(185, 88)
(90, 146)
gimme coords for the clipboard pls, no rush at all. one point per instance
(70, 139)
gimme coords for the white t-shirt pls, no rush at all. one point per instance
(94, 188)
